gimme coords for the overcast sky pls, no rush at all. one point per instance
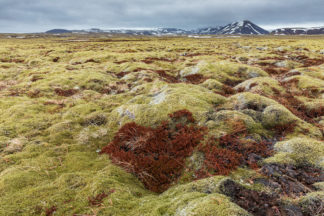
(42, 15)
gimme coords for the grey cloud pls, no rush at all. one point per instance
(40, 15)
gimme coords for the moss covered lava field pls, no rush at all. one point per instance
(105, 125)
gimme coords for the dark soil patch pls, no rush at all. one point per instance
(283, 180)
(291, 180)
(56, 59)
(258, 203)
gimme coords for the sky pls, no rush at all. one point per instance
(41, 15)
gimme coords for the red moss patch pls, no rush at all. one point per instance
(226, 153)
(150, 60)
(228, 91)
(306, 61)
(195, 78)
(97, 200)
(166, 77)
(156, 155)
(121, 74)
(297, 107)
(50, 211)
(65, 93)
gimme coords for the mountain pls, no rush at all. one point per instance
(58, 31)
(208, 30)
(299, 31)
(156, 31)
(172, 31)
(244, 27)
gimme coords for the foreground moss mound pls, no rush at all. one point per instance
(258, 103)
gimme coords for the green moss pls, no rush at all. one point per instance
(223, 71)
(161, 100)
(277, 115)
(310, 202)
(212, 84)
(218, 122)
(307, 82)
(260, 85)
(299, 151)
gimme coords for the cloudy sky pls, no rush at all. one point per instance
(41, 15)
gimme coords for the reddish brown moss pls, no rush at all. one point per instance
(297, 107)
(221, 161)
(50, 211)
(150, 60)
(121, 74)
(65, 93)
(182, 114)
(253, 85)
(166, 77)
(156, 155)
(280, 131)
(195, 78)
(97, 200)
(228, 91)
(226, 153)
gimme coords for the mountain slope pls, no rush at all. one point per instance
(242, 27)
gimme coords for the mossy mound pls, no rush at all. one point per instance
(225, 72)
(260, 85)
(160, 99)
(299, 151)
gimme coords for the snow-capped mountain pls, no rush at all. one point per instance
(172, 31)
(299, 31)
(243, 27)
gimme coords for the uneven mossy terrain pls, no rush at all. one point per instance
(63, 99)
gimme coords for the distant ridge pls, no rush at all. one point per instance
(209, 30)
(58, 31)
(299, 31)
(244, 27)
